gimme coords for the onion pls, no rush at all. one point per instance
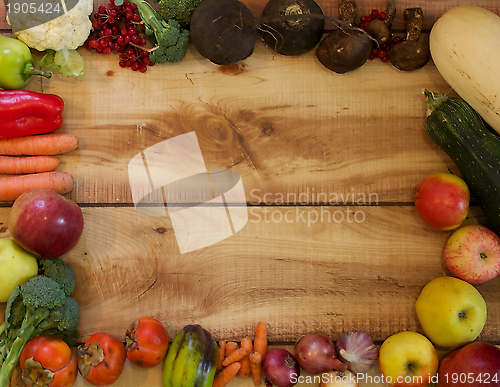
(339, 379)
(357, 350)
(281, 368)
(316, 353)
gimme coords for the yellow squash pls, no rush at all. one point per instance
(465, 47)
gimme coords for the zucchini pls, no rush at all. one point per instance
(460, 131)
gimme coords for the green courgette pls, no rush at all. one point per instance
(460, 131)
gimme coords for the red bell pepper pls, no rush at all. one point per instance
(25, 113)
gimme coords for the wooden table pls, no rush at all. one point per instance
(329, 164)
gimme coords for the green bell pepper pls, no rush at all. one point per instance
(16, 64)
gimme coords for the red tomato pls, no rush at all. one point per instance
(48, 361)
(101, 359)
(147, 342)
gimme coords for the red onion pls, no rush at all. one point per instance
(316, 353)
(357, 350)
(281, 368)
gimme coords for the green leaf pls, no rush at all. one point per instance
(118, 2)
(48, 59)
(69, 63)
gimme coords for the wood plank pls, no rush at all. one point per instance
(286, 125)
(330, 275)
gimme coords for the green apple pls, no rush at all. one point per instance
(16, 267)
(408, 359)
(451, 311)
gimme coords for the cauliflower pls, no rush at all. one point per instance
(69, 30)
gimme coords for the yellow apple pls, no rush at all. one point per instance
(408, 359)
(16, 267)
(451, 311)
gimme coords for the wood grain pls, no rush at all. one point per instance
(286, 125)
(315, 269)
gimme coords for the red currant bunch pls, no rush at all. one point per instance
(119, 28)
(382, 51)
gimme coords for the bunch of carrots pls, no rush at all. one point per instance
(243, 360)
(31, 162)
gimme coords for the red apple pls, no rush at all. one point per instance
(472, 253)
(45, 223)
(475, 365)
(442, 200)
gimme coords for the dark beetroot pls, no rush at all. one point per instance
(219, 34)
(292, 37)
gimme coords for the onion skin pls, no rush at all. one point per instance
(357, 351)
(315, 353)
(281, 368)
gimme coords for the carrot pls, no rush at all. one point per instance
(12, 165)
(222, 355)
(226, 374)
(12, 187)
(235, 356)
(260, 340)
(245, 371)
(39, 145)
(255, 359)
(231, 346)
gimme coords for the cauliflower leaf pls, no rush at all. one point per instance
(67, 62)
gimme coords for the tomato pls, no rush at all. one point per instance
(48, 361)
(101, 359)
(147, 342)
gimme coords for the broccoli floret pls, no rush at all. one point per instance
(171, 52)
(169, 38)
(37, 307)
(60, 271)
(42, 292)
(179, 10)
